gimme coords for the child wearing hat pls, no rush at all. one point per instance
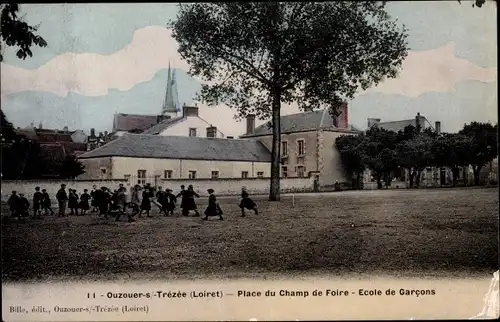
(213, 208)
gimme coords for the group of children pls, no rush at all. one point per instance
(19, 206)
(105, 202)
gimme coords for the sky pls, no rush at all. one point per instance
(107, 58)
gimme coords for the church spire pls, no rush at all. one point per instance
(169, 107)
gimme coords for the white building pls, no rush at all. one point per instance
(188, 124)
(146, 158)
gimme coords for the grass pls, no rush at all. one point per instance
(404, 233)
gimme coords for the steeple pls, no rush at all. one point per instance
(169, 107)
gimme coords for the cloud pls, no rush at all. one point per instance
(436, 70)
(152, 47)
(91, 74)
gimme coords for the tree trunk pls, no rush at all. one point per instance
(454, 176)
(379, 181)
(358, 179)
(417, 179)
(274, 190)
(476, 169)
(412, 175)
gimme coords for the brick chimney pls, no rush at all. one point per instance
(372, 122)
(419, 122)
(65, 129)
(211, 132)
(92, 133)
(342, 120)
(250, 123)
(40, 125)
(438, 127)
(189, 111)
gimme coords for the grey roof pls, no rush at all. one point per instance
(162, 126)
(299, 122)
(182, 147)
(396, 125)
(129, 122)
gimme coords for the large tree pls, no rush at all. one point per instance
(452, 150)
(258, 55)
(484, 147)
(352, 157)
(414, 155)
(380, 156)
(15, 32)
(71, 167)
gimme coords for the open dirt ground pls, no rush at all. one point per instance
(406, 233)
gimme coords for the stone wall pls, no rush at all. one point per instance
(394, 185)
(222, 187)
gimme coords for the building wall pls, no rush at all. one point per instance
(123, 166)
(95, 168)
(222, 187)
(331, 164)
(182, 127)
(310, 158)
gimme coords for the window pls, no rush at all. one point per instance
(284, 148)
(300, 147)
(215, 174)
(192, 174)
(192, 131)
(167, 174)
(141, 176)
(260, 174)
(103, 171)
(244, 174)
(127, 177)
(284, 172)
(301, 171)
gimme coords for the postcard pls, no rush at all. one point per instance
(249, 161)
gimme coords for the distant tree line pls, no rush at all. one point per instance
(22, 158)
(387, 153)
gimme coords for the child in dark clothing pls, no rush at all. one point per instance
(13, 203)
(46, 202)
(73, 202)
(168, 202)
(213, 208)
(37, 202)
(146, 202)
(103, 199)
(84, 202)
(23, 206)
(247, 203)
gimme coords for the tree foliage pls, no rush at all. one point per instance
(71, 168)
(6, 128)
(385, 152)
(483, 147)
(476, 3)
(352, 156)
(17, 33)
(21, 157)
(258, 55)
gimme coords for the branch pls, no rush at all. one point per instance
(254, 72)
